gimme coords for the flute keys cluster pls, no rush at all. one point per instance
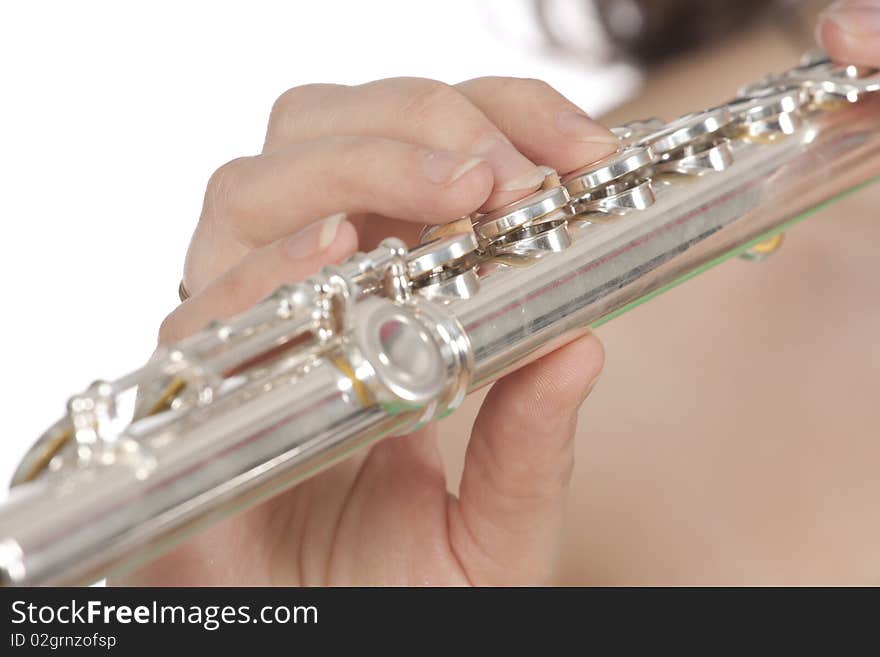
(380, 306)
(614, 185)
(651, 154)
(446, 266)
(528, 228)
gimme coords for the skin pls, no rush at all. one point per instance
(733, 436)
(395, 155)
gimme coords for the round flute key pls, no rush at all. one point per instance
(686, 130)
(770, 115)
(761, 108)
(533, 241)
(837, 80)
(440, 253)
(400, 362)
(770, 85)
(636, 195)
(463, 285)
(822, 78)
(716, 156)
(631, 132)
(528, 210)
(585, 181)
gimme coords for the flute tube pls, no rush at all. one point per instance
(245, 449)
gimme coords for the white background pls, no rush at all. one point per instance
(114, 114)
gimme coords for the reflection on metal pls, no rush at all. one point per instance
(392, 338)
(763, 250)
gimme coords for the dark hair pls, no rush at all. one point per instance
(649, 31)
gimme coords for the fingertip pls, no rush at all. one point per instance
(499, 198)
(345, 243)
(847, 37)
(575, 155)
(543, 125)
(829, 36)
(573, 371)
(583, 140)
(556, 384)
(326, 240)
(593, 351)
(459, 197)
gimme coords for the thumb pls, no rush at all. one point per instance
(849, 31)
(506, 524)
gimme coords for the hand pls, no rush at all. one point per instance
(377, 160)
(849, 31)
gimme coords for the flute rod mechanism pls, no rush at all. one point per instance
(396, 337)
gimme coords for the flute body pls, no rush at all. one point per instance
(394, 338)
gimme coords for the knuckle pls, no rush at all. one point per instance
(353, 155)
(169, 329)
(511, 85)
(292, 102)
(351, 150)
(234, 286)
(531, 85)
(221, 198)
(427, 98)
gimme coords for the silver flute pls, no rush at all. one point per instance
(395, 338)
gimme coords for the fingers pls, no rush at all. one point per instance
(507, 520)
(542, 123)
(849, 31)
(413, 110)
(462, 162)
(253, 201)
(259, 273)
(270, 195)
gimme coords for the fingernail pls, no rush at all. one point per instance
(580, 127)
(854, 16)
(444, 167)
(314, 238)
(513, 171)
